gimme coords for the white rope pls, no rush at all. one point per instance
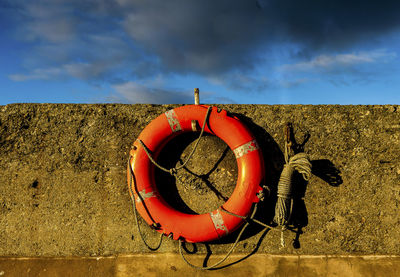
(284, 204)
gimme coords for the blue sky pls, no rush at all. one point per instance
(236, 51)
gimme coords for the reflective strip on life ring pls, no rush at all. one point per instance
(203, 227)
(218, 221)
(245, 148)
(143, 195)
(173, 121)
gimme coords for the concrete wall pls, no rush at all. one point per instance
(63, 185)
(168, 264)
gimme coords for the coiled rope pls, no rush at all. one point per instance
(284, 205)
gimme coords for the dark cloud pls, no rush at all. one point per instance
(122, 39)
(335, 24)
(210, 36)
(205, 37)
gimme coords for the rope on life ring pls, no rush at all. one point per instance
(230, 216)
(187, 227)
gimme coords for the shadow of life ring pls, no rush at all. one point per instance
(198, 227)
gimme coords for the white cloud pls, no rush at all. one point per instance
(81, 71)
(110, 42)
(293, 83)
(334, 62)
(242, 82)
(37, 74)
(86, 71)
(131, 92)
(152, 92)
(344, 69)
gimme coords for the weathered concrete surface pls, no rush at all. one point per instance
(63, 185)
(171, 265)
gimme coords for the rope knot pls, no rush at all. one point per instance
(261, 195)
(173, 171)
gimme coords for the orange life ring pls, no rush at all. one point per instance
(203, 227)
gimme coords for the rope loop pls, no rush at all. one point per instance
(214, 266)
(302, 164)
(284, 204)
(173, 171)
(298, 162)
(154, 225)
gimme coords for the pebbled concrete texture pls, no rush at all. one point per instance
(63, 188)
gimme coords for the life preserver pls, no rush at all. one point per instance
(203, 227)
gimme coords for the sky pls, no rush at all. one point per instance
(235, 51)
